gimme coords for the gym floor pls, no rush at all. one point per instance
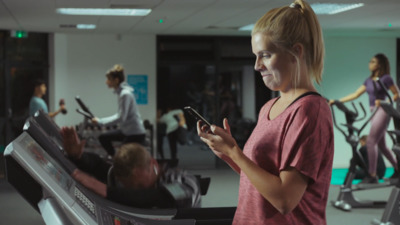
(222, 192)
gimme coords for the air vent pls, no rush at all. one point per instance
(67, 25)
(225, 28)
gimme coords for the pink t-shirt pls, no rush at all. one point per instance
(300, 137)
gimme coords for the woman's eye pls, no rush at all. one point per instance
(266, 56)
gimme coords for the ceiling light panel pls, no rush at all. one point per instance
(332, 8)
(103, 11)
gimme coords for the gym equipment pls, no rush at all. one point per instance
(90, 132)
(85, 110)
(346, 200)
(61, 103)
(391, 215)
(39, 171)
(71, 202)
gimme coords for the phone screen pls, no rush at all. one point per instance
(196, 115)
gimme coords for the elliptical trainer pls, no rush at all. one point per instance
(346, 200)
(391, 215)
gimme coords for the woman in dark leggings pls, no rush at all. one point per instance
(380, 68)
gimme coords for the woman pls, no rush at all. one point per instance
(286, 164)
(380, 69)
(131, 128)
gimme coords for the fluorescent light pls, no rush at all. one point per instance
(247, 27)
(86, 26)
(103, 12)
(320, 9)
(330, 9)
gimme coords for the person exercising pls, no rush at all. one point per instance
(381, 168)
(37, 103)
(131, 128)
(380, 70)
(139, 180)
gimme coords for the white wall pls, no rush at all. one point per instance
(80, 63)
(346, 68)
(79, 66)
(249, 100)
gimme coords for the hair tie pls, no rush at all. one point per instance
(295, 6)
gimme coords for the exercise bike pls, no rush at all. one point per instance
(346, 200)
(90, 132)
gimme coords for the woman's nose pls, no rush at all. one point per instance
(258, 64)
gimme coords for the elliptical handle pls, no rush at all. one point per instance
(355, 110)
(364, 112)
(334, 121)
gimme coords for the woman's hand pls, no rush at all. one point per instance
(95, 120)
(218, 139)
(377, 102)
(395, 97)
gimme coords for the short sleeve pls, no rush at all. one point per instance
(365, 82)
(387, 81)
(308, 137)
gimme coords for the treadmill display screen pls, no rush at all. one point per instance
(47, 163)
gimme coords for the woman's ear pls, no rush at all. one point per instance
(298, 50)
(117, 79)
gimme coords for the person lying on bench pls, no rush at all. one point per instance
(135, 178)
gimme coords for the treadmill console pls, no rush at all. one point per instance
(80, 205)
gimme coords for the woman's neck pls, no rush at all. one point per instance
(294, 92)
(375, 74)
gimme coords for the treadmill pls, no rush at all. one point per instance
(43, 184)
(61, 200)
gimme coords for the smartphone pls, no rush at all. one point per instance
(196, 115)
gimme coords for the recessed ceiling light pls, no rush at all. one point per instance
(247, 27)
(103, 11)
(331, 8)
(320, 9)
(86, 26)
(79, 26)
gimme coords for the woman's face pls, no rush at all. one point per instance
(274, 64)
(373, 65)
(112, 82)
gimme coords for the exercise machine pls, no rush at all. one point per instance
(391, 215)
(346, 200)
(90, 132)
(38, 169)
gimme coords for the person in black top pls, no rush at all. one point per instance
(139, 180)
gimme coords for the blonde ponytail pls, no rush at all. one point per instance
(296, 23)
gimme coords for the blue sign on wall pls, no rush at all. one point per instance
(140, 84)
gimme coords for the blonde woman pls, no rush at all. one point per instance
(286, 164)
